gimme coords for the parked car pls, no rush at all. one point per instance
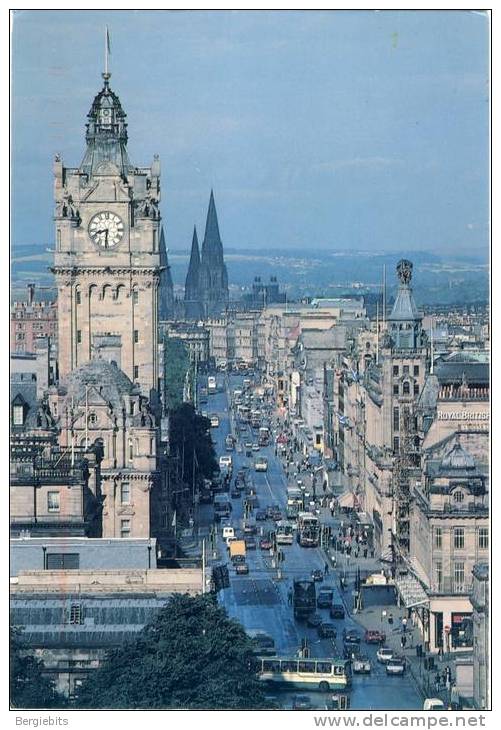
(374, 636)
(384, 654)
(317, 575)
(265, 543)
(242, 568)
(250, 543)
(235, 493)
(361, 665)
(396, 665)
(314, 620)
(250, 529)
(337, 610)
(351, 636)
(271, 510)
(326, 630)
(255, 447)
(261, 515)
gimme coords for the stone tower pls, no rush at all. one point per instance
(192, 301)
(107, 258)
(213, 277)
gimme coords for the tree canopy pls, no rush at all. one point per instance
(191, 656)
(29, 688)
(177, 364)
(189, 433)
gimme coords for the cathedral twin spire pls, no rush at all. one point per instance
(206, 289)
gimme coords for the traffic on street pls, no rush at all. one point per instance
(268, 527)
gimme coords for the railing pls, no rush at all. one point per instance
(449, 586)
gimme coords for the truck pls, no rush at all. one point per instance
(304, 598)
(237, 548)
(211, 384)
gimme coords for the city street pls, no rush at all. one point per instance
(260, 599)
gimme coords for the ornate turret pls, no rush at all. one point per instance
(106, 133)
(405, 320)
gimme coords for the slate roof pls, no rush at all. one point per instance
(111, 382)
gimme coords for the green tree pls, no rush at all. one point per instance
(177, 364)
(29, 688)
(191, 656)
(189, 434)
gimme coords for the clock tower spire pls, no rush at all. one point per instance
(107, 254)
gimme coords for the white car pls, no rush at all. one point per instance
(214, 421)
(433, 704)
(384, 654)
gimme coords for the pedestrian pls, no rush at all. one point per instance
(326, 569)
(383, 615)
(437, 682)
(372, 552)
(390, 618)
(365, 552)
(404, 624)
(403, 641)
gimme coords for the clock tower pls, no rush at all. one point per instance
(107, 258)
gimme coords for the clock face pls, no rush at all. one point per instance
(106, 230)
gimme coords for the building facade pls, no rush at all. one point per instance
(30, 320)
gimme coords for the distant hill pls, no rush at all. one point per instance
(438, 279)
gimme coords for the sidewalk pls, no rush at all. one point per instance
(370, 618)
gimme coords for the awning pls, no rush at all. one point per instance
(347, 499)
(411, 591)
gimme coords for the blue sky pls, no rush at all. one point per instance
(336, 130)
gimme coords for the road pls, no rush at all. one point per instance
(260, 600)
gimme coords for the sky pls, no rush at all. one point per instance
(358, 130)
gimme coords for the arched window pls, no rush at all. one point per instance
(458, 495)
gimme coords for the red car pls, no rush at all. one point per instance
(374, 636)
(265, 544)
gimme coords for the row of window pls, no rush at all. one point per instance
(458, 573)
(459, 538)
(405, 370)
(135, 296)
(54, 503)
(79, 336)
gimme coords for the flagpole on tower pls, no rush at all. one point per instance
(107, 51)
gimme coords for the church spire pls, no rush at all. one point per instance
(192, 303)
(166, 293)
(212, 247)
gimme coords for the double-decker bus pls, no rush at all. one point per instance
(312, 674)
(222, 507)
(308, 530)
(284, 533)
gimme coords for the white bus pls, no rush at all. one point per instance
(211, 384)
(285, 533)
(312, 674)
